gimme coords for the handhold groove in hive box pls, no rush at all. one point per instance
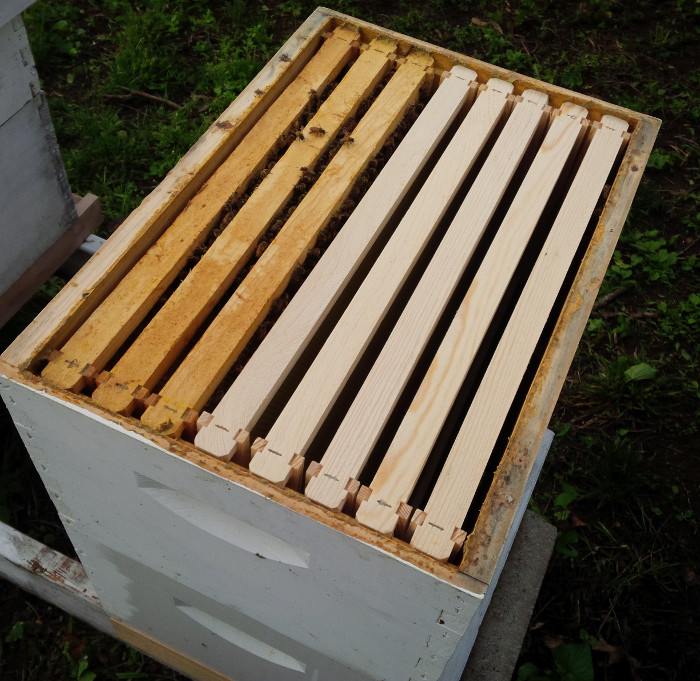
(166, 335)
(195, 379)
(96, 341)
(403, 462)
(222, 525)
(263, 374)
(452, 495)
(353, 441)
(241, 639)
(299, 421)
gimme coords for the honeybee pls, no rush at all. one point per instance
(307, 174)
(232, 201)
(315, 130)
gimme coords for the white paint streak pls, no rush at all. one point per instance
(8, 549)
(239, 638)
(223, 526)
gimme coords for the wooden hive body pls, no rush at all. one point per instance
(51, 225)
(258, 568)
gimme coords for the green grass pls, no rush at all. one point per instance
(621, 598)
(119, 145)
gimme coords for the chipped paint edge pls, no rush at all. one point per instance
(50, 575)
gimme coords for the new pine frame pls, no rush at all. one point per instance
(94, 282)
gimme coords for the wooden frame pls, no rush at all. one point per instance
(497, 521)
(426, 416)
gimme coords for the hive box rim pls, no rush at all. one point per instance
(242, 477)
(141, 229)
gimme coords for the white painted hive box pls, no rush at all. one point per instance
(35, 199)
(268, 445)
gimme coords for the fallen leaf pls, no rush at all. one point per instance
(551, 641)
(689, 576)
(76, 644)
(615, 653)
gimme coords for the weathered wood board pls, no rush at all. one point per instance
(50, 575)
(19, 81)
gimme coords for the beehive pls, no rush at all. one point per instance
(323, 353)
